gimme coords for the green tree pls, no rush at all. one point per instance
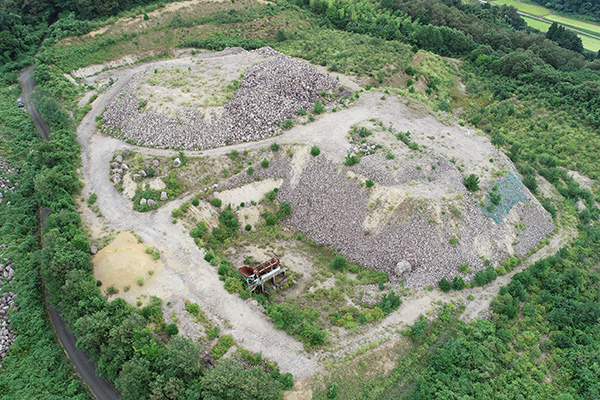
(228, 380)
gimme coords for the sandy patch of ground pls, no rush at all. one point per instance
(122, 262)
(254, 191)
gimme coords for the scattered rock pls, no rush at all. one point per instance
(143, 173)
(119, 159)
(125, 167)
(136, 177)
(177, 163)
(126, 154)
(156, 163)
(151, 203)
(143, 201)
(93, 250)
(163, 196)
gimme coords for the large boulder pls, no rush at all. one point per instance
(402, 267)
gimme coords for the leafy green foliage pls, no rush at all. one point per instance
(472, 183)
(219, 349)
(315, 151)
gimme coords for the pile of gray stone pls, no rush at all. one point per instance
(270, 92)
(119, 167)
(7, 332)
(5, 183)
(412, 241)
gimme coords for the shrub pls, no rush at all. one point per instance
(315, 151)
(453, 241)
(248, 227)
(193, 308)
(339, 263)
(318, 108)
(351, 160)
(369, 183)
(264, 163)
(275, 147)
(216, 202)
(224, 343)
(458, 283)
(92, 199)
(444, 285)
(389, 302)
(245, 294)
(250, 171)
(495, 198)
(531, 183)
(484, 277)
(112, 290)
(140, 281)
(195, 202)
(472, 183)
(287, 124)
(172, 330)
(208, 257)
(233, 285)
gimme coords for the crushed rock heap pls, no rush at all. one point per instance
(7, 332)
(270, 92)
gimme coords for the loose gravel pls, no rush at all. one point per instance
(270, 92)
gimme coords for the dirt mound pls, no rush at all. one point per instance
(271, 91)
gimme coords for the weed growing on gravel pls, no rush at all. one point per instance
(140, 281)
(315, 151)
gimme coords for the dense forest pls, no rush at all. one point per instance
(536, 96)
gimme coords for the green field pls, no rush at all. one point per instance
(575, 23)
(589, 43)
(525, 7)
(537, 24)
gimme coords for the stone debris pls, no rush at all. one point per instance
(143, 201)
(155, 163)
(151, 203)
(163, 196)
(8, 334)
(270, 92)
(177, 163)
(93, 250)
(5, 173)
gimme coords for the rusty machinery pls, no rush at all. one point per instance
(262, 273)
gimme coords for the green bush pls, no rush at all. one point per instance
(250, 171)
(233, 285)
(172, 330)
(458, 283)
(264, 163)
(92, 199)
(339, 263)
(193, 308)
(351, 160)
(216, 202)
(318, 108)
(248, 227)
(195, 202)
(472, 183)
(224, 343)
(315, 151)
(287, 124)
(369, 183)
(274, 147)
(444, 285)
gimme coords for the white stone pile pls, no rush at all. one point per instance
(5, 183)
(7, 332)
(269, 93)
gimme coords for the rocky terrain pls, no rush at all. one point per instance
(7, 332)
(5, 183)
(270, 92)
(404, 224)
